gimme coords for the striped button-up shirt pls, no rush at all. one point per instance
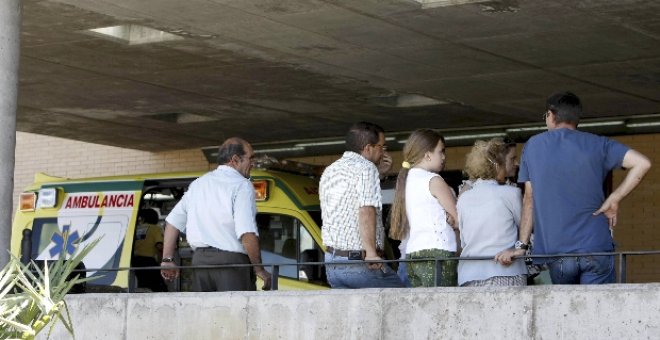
(346, 185)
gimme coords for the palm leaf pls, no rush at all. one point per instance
(32, 297)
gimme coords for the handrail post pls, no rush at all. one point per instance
(622, 268)
(132, 280)
(274, 277)
(438, 270)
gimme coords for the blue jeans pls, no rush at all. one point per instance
(403, 274)
(582, 270)
(345, 275)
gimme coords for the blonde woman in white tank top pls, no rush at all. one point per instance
(424, 210)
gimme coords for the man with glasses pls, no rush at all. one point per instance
(563, 170)
(218, 215)
(351, 208)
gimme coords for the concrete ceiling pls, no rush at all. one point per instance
(278, 70)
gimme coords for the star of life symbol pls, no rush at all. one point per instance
(64, 239)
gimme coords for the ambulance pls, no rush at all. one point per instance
(56, 215)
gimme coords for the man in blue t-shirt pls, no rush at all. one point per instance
(563, 170)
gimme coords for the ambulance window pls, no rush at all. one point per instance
(310, 252)
(162, 199)
(278, 241)
(284, 240)
(43, 230)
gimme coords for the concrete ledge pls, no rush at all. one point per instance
(628, 311)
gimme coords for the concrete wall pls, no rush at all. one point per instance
(639, 217)
(543, 312)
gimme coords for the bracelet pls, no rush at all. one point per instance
(167, 259)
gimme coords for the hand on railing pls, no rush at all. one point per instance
(265, 276)
(169, 274)
(373, 265)
(505, 257)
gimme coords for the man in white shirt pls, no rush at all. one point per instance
(352, 212)
(217, 213)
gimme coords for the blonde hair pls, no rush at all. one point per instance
(419, 143)
(485, 157)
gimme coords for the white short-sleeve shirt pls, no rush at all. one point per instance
(216, 210)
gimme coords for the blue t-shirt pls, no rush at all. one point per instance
(567, 169)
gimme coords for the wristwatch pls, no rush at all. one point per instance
(520, 245)
(167, 259)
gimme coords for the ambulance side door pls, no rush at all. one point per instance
(285, 240)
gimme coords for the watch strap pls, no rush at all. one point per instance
(521, 245)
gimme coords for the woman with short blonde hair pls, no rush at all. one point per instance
(489, 216)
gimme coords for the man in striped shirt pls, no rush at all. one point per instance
(352, 212)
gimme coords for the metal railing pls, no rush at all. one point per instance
(621, 256)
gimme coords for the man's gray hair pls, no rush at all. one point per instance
(232, 146)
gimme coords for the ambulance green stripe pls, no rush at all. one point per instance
(97, 186)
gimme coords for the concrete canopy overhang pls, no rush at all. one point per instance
(286, 72)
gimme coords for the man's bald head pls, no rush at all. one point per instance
(232, 146)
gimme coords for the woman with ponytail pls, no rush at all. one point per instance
(424, 210)
(489, 216)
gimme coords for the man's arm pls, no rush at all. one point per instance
(169, 247)
(527, 216)
(250, 242)
(505, 257)
(638, 165)
(245, 212)
(367, 221)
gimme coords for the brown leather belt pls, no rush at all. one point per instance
(351, 254)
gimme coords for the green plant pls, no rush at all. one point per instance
(32, 297)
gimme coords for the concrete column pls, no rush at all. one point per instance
(10, 26)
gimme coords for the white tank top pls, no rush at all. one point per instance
(427, 218)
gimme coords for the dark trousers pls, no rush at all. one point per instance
(148, 278)
(222, 279)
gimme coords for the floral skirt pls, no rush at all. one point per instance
(422, 273)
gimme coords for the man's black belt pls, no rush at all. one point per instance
(216, 250)
(210, 249)
(351, 254)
